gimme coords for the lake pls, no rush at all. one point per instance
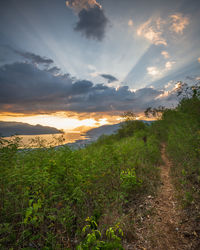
(47, 140)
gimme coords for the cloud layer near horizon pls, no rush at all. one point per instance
(27, 88)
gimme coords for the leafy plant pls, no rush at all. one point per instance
(93, 238)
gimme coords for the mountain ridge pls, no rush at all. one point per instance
(20, 128)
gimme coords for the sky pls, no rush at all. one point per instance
(84, 62)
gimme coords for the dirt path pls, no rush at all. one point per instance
(160, 230)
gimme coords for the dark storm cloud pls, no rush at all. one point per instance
(92, 23)
(28, 89)
(108, 77)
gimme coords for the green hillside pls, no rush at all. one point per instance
(92, 198)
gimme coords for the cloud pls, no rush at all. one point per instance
(34, 58)
(78, 5)
(169, 64)
(130, 23)
(156, 72)
(54, 70)
(165, 54)
(199, 59)
(92, 23)
(157, 30)
(28, 89)
(168, 84)
(178, 22)
(151, 30)
(108, 77)
(153, 71)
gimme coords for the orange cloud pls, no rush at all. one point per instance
(165, 54)
(151, 30)
(78, 5)
(178, 22)
(157, 29)
(163, 95)
(199, 59)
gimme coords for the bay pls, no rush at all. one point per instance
(49, 140)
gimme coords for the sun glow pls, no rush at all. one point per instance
(59, 121)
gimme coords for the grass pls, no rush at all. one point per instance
(47, 194)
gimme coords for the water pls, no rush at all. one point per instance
(47, 140)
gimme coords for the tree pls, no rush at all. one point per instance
(130, 125)
(154, 112)
(128, 116)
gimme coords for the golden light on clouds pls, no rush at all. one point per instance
(78, 5)
(163, 95)
(165, 54)
(157, 30)
(151, 31)
(63, 120)
(179, 22)
(199, 59)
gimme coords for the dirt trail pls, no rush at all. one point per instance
(166, 224)
(160, 230)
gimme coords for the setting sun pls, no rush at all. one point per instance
(59, 121)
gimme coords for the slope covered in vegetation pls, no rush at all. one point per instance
(89, 198)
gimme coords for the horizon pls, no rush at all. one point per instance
(70, 64)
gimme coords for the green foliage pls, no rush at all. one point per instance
(180, 129)
(154, 112)
(129, 180)
(129, 127)
(93, 237)
(46, 193)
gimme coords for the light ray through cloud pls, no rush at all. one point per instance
(61, 62)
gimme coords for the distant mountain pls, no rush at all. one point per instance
(19, 128)
(82, 129)
(94, 133)
(103, 130)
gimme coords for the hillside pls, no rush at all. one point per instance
(135, 189)
(19, 128)
(95, 133)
